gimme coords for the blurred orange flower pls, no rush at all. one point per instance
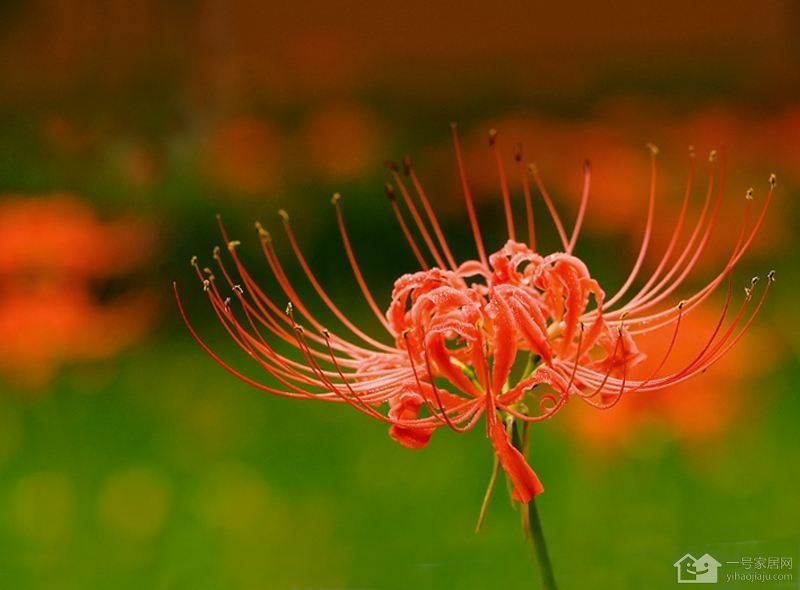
(341, 140)
(55, 255)
(693, 412)
(241, 155)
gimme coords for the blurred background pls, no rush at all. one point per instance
(128, 459)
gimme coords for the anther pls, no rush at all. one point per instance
(749, 194)
(492, 136)
(232, 245)
(335, 199)
(284, 215)
(771, 276)
(289, 309)
(653, 149)
(682, 304)
(238, 289)
(228, 304)
(325, 333)
(298, 328)
(712, 156)
(532, 169)
(691, 151)
(206, 285)
(193, 261)
(264, 234)
(389, 191)
(773, 180)
(215, 253)
(407, 165)
(753, 281)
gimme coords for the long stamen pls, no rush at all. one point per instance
(429, 212)
(533, 170)
(426, 236)
(409, 238)
(503, 183)
(526, 190)
(473, 219)
(587, 180)
(675, 234)
(354, 265)
(647, 230)
(318, 288)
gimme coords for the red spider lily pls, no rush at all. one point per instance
(511, 336)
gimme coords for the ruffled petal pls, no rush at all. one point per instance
(526, 483)
(407, 408)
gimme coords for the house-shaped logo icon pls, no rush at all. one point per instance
(701, 570)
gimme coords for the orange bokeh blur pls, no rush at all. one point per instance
(55, 258)
(694, 412)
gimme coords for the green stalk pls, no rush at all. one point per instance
(532, 524)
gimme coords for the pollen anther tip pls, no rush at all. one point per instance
(284, 215)
(336, 198)
(233, 244)
(749, 194)
(773, 180)
(193, 261)
(771, 276)
(653, 148)
(712, 156)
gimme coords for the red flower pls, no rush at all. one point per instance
(511, 336)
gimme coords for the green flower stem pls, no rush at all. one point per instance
(532, 524)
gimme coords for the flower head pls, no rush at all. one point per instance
(510, 337)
